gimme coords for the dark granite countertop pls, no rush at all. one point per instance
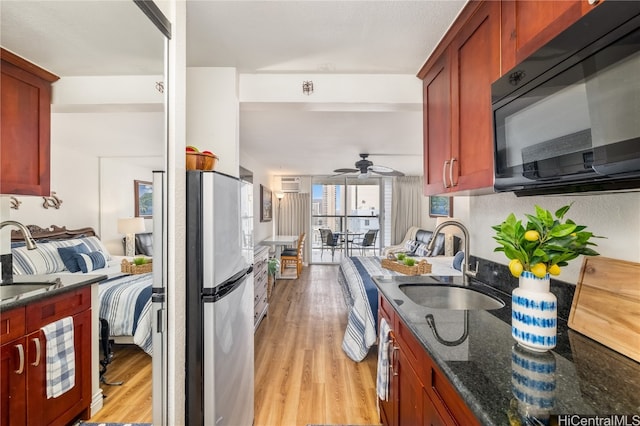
(583, 376)
(57, 284)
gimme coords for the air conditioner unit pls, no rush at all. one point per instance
(290, 184)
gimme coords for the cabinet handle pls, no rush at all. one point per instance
(444, 174)
(21, 355)
(453, 160)
(36, 341)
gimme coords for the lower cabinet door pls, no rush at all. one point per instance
(64, 408)
(429, 412)
(13, 373)
(409, 393)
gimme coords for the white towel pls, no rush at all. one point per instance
(382, 382)
(61, 359)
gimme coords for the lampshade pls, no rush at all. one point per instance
(279, 195)
(448, 229)
(449, 232)
(131, 225)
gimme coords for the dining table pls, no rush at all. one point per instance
(348, 237)
(278, 242)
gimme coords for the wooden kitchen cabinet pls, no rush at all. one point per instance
(24, 400)
(419, 393)
(528, 25)
(25, 113)
(458, 131)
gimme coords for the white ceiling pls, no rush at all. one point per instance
(316, 37)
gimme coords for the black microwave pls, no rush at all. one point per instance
(567, 119)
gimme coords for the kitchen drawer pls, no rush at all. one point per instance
(12, 325)
(259, 294)
(260, 308)
(66, 304)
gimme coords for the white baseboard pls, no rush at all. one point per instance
(96, 402)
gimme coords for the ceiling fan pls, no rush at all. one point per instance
(366, 167)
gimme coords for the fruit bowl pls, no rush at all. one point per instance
(200, 161)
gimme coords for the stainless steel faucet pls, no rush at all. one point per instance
(29, 241)
(466, 272)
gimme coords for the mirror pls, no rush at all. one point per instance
(108, 115)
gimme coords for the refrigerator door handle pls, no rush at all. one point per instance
(213, 294)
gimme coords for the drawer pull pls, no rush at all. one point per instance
(21, 356)
(36, 341)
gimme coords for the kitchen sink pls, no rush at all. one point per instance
(450, 297)
(8, 291)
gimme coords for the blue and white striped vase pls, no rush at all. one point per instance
(534, 313)
(533, 383)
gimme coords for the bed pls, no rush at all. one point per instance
(361, 297)
(124, 300)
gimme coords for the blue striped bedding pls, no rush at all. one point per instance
(361, 297)
(125, 302)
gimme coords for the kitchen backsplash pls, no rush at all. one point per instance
(498, 276)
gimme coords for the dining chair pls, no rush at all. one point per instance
(323, 240)
(333, 241)
(368, 241)
(293, 257)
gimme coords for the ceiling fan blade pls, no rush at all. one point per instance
(381, 169)
(391, 173)
(345, 170)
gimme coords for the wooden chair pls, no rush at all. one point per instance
(293, 257)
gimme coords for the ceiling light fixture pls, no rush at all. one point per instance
(307, 87)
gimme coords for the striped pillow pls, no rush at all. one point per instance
(422, 251)
(43, 260)
(91, 261)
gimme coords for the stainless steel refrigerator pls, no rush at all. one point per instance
(219, 297)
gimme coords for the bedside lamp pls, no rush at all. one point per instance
(129, 227)
(449, 232)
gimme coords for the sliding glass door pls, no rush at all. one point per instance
(343, 211)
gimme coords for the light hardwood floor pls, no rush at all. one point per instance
(302, 376)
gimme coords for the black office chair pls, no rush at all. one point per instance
(368, 241)
(332, 242)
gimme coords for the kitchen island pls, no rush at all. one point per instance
(499, 382)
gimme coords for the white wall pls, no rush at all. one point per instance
(261, 230)
(614, 216)
(74, 178)
(213, 115)
(95, 192)
(117, 196)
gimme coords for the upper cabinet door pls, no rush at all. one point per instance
(528, 25)
(437, 125)
(475, 64)
(458, 131)
(26, 117)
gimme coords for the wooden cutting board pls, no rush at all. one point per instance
(606, 304)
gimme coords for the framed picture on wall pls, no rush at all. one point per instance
(266, 207)
(441, 206)
(143, 195)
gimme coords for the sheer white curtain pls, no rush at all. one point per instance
(406, 206)
(294, 215)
